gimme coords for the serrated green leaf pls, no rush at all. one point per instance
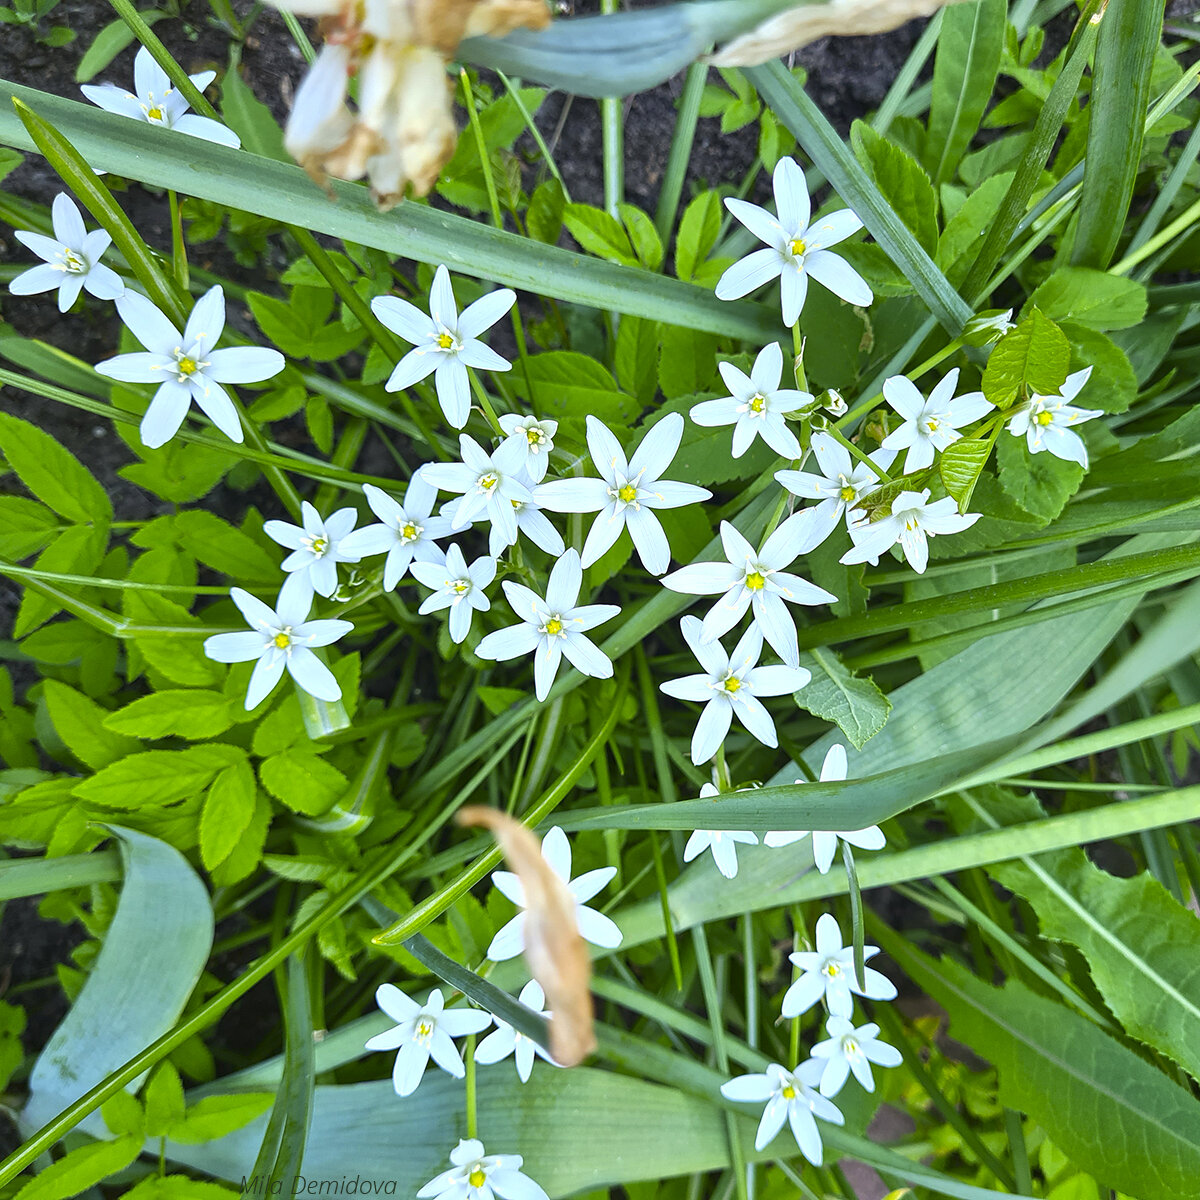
(156, 777)
(636, 357)
(194, 713)
(599, 233)
(54, 475)
(164, 1101)
(81, 723)
(76, 551)
(123, 1115)
(901, 180)
(1033, 357)
(303, 781)
(698, 232)
(1040, 483)
(249, 117)
(835, 693)
(217, 544)
(643, 237)
(960, 465)
(81, 1169)
(25, 527)
(1094, 299)
(218, 1116)
(228, 810)
(568, 384)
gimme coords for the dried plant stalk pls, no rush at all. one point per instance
(556, 954)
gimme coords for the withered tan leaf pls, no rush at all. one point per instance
(554, 950)
(788, 31)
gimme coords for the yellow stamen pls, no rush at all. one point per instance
(488, 481)
(797, 246)
(535, 436)
(424, 1028)
(445, 341)
(554, 627)
(461, 586)
(319, 545)
(72, 262)
(732, 684)
(477, 1177)
(832, 970)
(758, 402)
(847, 494)
(628, 493)
(789, 1092)
(755, 581)
(282, 641)
(155, 113)
(932, 424)
(408, 532)
(1044, 418)
(187, 366)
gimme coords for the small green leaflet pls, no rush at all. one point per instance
(960, 466)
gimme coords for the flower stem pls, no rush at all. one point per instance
(472, 1115)
(485, 403)
(179, 262)
(798, 358)
(838, 435)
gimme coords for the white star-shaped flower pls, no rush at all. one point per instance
(593, 926)
(537, 439)
(456, 586)
(627, 492)
(829, 972)
(422, 1033)
(731, 683)
(70, 259)
(849, 1049)
(280, 638)
(791, 1098)
(479, 1176)
(490, 484)
(316, 547)
(757, 405)
(1047, 421)
(552, 627)
(912, 522)
(756, 580)
(405, 531)
(531, 521)
(446, 344)
(505, 1040)
(155, 101)
(186, 366)
(929, 425)
(840, 486)
(796, 247)
(825, 840)
(722, 842)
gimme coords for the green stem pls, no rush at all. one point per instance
(485, 402)
(179, 259)
(855, 452)
(681, 151)
(472, 1112)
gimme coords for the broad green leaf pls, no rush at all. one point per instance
(964, 74)
(106, 45)
(1112, 386)
(960, 465)
(76, 551)
(698, 232)
(902, 181)
(249, 117)
(1142, 946)
(1034, 357)
(834, 693)
(157, 777)
(218, 1116)
(1040, 483)
(599, 233)
(164, 1101)
(1094, 299)
(217, 544)
(152, 956)
(195, 714)
(643, 237)
(81, 1169)
(1115, 1115)
(25, 527)
(228, 810)
(81, 724)
(636, 357)
(303, 781)
(122, 1114)
(568, 384)
(54, 475)
(964, 232)
(300, 327)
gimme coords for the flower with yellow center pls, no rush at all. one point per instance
(317, 546)
(930, 425)
(797, 247)
(849, 1049)
(280, 639)
(1048, 422)
(828, 972)
(912, 522)
(791, 1099)
(70, 259)
(458, 587)
(757, 406)
(505, 1039)
(155, 101)
(405, 532)
(475, 1175)
(722, 842)
(537, 438)
(423, 1032)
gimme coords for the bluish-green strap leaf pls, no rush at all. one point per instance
(153, 954)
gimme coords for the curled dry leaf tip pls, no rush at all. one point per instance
(554, 950)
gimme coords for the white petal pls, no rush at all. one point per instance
(839, 277)
(748, 274)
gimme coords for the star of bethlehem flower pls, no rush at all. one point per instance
(593, 926)
(156, 101)
(849, 1049)
(186, 366)
(791, 1098)
(505, 1040)
(422, 1033)
(316, 548)
(479, 1176)
(731, 684)
(722, 842)
(929, 425)
(537, 439)
(837, 407)
(842, 483)
(797, 247)
(988, 327)
(405, 531)
(1047, 422)
(489, 484)
(627, 493)
(281, 638)
(757, 405)
(756, 580)
(824, 844)
(456, 586)
(445, 344)
(829, 972)
(531, 521)
(912, 522)
(553, 627)
(70, 259)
